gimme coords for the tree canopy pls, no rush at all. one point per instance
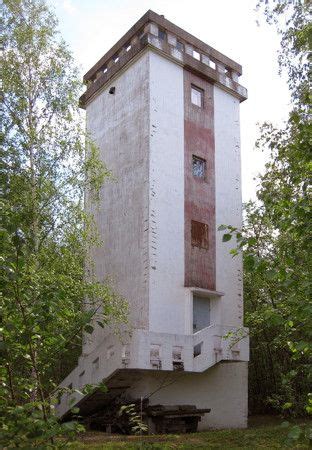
(276, 238)
(45, 233)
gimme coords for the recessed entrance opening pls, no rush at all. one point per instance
(201, 313)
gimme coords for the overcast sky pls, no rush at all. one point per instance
(91, 27)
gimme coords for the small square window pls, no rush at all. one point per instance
(198, 349)
(196, 55)
(180, 46)
(177, 353)
(161, 34)
(197, 96)
(154, 351)
(199, 234)
(199, 167)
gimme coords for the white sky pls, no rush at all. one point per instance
(91, 27)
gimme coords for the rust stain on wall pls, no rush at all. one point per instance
(200, 260)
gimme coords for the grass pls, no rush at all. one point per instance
(261, 434)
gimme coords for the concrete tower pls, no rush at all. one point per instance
(163, 108)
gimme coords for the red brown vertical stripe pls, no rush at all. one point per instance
(199, 193)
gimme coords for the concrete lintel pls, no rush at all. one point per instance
(206, 292)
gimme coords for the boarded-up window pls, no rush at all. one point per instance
(199, 233)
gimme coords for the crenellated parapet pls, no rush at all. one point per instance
(155, 32)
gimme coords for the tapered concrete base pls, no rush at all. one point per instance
(222, 388)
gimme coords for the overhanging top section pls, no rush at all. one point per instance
(154, 31)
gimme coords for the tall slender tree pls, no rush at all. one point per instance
(45, 233)
(277, 235)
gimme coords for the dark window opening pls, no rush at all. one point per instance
(199, 233)
(161, 34)
(180, 46)
(178, 365)
(198, 349)
(199, 167)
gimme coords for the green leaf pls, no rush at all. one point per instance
(308, 433)
(226, 237)
(295, 433)
(287, 405)
(75, 410)
(69, 425)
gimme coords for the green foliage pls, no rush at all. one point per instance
(49, 290)
(292, 19)
(26, 428)
(136, 423)
(276, 238)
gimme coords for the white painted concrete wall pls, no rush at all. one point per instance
(141, 220)
(133, 352)
(223, 388)
(228, 204)
(119, 124)
(167, 296)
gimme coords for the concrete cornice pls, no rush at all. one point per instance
(151, 16)
(224, 79)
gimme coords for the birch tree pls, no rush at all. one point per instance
(45, 233)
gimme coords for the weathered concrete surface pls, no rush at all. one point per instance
(133, 353)
(140, 131)
(119, 124)
(193, 54)
(223, 388)
(228, 204)
(167, 296)
(199, 193)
